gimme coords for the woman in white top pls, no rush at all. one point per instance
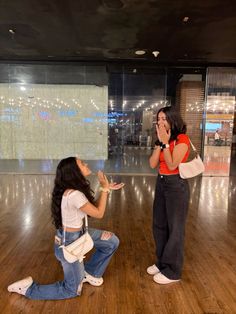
(72, 199)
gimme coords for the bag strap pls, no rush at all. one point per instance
(86, 221)
(193, 147)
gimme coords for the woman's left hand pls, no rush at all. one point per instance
(164, 135)
(116, 186)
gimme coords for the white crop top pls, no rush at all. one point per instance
(72, 216)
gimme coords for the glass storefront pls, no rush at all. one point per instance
(135, 95)
(106, 114)
(219, 120)
(49, 112)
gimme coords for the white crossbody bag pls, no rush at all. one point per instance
(77, 250)
(191, 168)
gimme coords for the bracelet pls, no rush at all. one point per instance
(106, 190)
(165, 146)
(158, 143)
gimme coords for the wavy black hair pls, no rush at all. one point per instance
(68, 176)
(177, 125)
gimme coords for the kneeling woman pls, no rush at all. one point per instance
(72, 199)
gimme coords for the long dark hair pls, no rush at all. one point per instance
(175, 121)
(68, 176)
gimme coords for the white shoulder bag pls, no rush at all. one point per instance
(191, 168)
(76, 250)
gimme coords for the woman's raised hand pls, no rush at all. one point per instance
(116, 186)
(105, 183)
(157, 131)
(163, 134)
(102, 178)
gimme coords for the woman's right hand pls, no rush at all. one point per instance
(157, 132)
(103, 179)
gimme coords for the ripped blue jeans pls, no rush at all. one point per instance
(71, 286)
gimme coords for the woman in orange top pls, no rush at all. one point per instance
(171, 196)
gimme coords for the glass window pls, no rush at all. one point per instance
(51, 112)
(219, 119)
(135, 95)
(106, 114)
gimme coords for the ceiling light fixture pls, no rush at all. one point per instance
(185, 19)
(11, 31)
(156, 53)
(140, 52)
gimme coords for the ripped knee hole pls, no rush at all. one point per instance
(106, 235)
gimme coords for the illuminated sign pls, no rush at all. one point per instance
(67, 113)
(44, 115)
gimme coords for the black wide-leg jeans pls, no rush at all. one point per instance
(170, 210)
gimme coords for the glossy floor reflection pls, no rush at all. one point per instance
(217, 160)
(130, 160)
(209, 277)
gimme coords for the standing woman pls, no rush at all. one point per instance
(72, 199)
(171, 196)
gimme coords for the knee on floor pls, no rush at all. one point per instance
(112, 240)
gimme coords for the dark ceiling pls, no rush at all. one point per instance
(108, 30)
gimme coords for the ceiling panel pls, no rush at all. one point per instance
(114, 29)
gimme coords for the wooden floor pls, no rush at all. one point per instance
(209, 277)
